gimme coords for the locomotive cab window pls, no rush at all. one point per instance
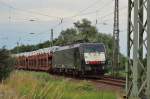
(88, 49)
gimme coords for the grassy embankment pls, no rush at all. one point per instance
(31, 85)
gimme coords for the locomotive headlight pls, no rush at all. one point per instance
(103, 67)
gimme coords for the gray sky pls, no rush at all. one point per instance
(15, 16)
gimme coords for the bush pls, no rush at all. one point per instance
(6, 64)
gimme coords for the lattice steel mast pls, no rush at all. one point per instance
(138, 82)
(116, 37)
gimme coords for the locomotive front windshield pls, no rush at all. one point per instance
(94, 54)
(94, 48)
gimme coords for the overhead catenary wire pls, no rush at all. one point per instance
(80, 13)
(28, 11)
(88, 7)
(104, 22)
(103, 16)
(33, 12)
(61, 21)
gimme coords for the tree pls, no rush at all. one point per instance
(68, 36)
(86, 30)
(6, 64)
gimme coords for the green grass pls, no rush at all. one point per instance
(120, 73)
(33, 85)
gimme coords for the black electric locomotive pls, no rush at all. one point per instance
(80, 59)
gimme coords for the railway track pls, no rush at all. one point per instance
(108, 80)
(111, 81)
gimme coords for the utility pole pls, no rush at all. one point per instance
(51, 37)
(17, 47)
(116, 39)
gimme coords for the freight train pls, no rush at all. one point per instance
(76, 59)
